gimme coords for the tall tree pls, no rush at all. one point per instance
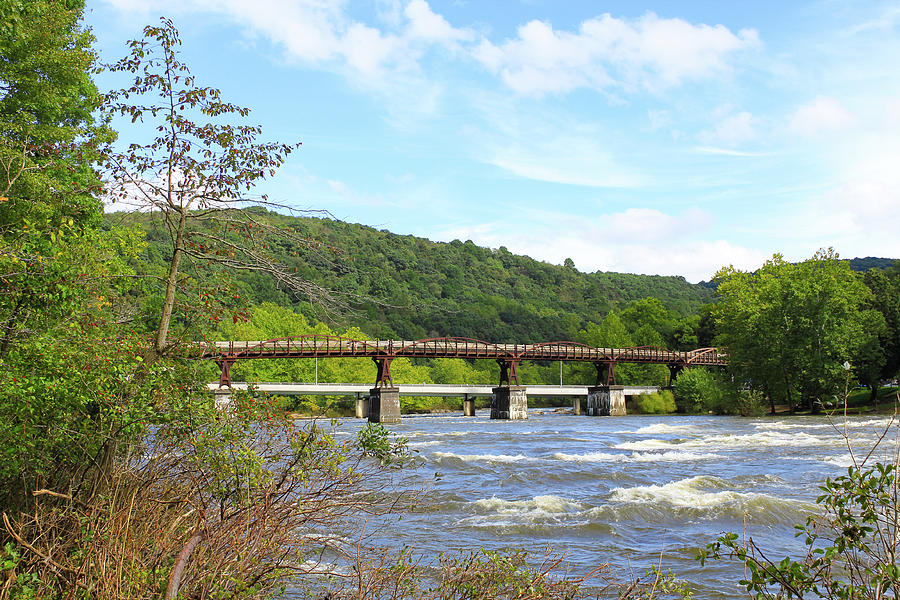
(879, 358)
(199, 168)
(788, 328)
(61, 355)
(48, 183)
(649, 312)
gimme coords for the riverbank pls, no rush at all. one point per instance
(858, 403)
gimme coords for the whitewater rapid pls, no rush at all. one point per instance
(622, 490)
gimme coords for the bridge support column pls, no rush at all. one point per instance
(576, 406)
(225, 374)
(468, 406)
(675, 370)
(606, 372)
(509, 402)
(223, 398)
(384, 405)
(362, 406)
(606, 401)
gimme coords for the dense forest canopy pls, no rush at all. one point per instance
(413, 288)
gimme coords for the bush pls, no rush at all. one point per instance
(751, 403)
(702, 390)
(656, 403)
(214, 505)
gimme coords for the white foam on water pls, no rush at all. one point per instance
(753, 440)
(651, 445)
(312, 567)
(590, 457)
(641, 457)
(845, 460)
(539, 505)
(663, 428)
(540, 510)
(673, 456)
(423, 444)
(837, 424)
(502, 458)
(695, 492)
(767, 438)
(439, 434)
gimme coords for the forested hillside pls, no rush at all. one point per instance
(409, 287)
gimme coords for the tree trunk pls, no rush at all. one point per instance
(873, 394)
(10, 325)
(171, 284)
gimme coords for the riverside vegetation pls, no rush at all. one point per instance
(117, 477)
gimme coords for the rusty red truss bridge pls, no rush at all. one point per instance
(226, 353)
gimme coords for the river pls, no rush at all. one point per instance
(621, 490)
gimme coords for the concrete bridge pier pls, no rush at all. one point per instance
(509, 402)
(468, 405)
(576, 406)
(384, 405)
(362, 406)
(606, 400)
(222, 398)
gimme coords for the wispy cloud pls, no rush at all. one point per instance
(636, 240)
(649, 53)
(728, 151)
(822, 115)
(732, 130)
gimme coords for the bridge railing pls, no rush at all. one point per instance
(312, 346)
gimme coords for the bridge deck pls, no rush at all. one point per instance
(349, 389)
(331, 346)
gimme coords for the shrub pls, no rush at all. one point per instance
(655, 403)
(701, 390)
(220, 505)
(751, 403)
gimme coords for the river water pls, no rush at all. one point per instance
(622, 490)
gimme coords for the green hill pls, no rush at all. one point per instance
(419, 288)
(871, 262)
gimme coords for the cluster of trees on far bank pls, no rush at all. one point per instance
(800, 333)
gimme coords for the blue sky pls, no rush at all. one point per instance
(664, 138)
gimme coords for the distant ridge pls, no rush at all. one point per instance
(433, 289)
(857, 264)
(871, 262)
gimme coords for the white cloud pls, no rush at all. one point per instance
(857, 211)
(696, 260)
(731, 131)
(345, 196)
(563, 159)
(641, 223)
(425, 24)
(650, 52)
(728, 151)
(822, 115)
(542, 145)
(637, 240)
(320, 33)
(659, 119)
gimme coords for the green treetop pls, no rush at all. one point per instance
(789, 328)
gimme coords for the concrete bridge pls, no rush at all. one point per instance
(509, 399)
(468, 393)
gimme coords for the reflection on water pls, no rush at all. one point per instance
(621, 490)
